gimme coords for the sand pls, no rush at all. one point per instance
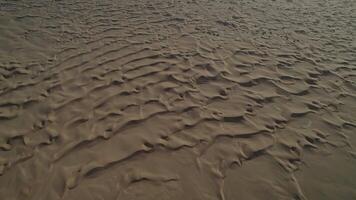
(189, 99)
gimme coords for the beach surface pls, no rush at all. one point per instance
(177, 100)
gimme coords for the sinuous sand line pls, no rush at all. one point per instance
(177, 99)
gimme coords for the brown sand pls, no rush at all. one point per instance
(182, 100)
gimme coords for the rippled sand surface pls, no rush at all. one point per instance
(177, 99)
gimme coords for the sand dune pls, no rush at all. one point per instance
(189, 99)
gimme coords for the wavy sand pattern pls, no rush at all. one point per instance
(189, 99)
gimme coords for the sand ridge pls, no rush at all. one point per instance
(177, 99)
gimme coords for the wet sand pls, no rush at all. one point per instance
(190, 99)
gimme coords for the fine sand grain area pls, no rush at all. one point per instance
(177, 99)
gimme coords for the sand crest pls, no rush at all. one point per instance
(180, 99)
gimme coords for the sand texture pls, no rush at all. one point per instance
(177, 99)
